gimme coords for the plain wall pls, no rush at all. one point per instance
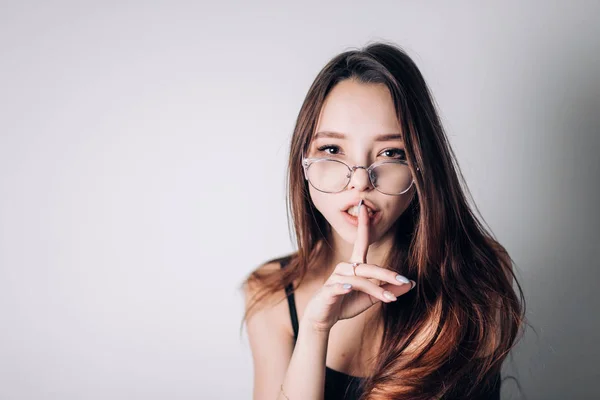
(143, 148)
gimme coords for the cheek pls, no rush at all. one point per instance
(398, 207)
(392, 208)
(323, 202)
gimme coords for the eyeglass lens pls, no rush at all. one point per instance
(333, 176)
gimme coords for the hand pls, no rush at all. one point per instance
(334, 301)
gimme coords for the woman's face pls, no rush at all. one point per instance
(358, 125)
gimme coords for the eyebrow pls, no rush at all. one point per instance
(386, 137)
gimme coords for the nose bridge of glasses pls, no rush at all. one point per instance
(352, 174)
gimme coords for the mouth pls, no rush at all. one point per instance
(353, 210)
(351, 214)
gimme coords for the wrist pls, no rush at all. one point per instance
(314, 329)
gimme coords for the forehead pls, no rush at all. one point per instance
(361, 111)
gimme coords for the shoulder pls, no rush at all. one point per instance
(264, 276)
(258, 281)
(268, 328)
(264, 293)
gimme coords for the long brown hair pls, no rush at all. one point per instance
(464, 276)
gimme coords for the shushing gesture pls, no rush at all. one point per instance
(349, 290)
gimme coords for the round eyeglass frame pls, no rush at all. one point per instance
(307, 162)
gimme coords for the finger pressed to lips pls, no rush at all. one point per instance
(361, 244)
(359, 276)
(372, 271)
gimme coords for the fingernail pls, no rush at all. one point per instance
(412, 284)
(359, 204)
(389, 295)
(402, 279)
(347, 286)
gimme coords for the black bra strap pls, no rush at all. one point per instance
(291, 300)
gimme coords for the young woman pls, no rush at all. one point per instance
(396, 290)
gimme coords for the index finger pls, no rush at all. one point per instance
(361, 244)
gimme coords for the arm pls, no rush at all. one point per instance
(305, 376)
(271, 345)
(300, 368)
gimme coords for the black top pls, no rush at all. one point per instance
(341, 386)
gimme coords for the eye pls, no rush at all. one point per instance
(335, 149)
(396, 154)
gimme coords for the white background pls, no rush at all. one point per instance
(143, 148)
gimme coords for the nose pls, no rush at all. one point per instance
(360, 179)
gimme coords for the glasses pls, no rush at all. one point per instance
(332, 176)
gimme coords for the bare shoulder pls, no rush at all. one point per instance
(269, 331)
(268, 301)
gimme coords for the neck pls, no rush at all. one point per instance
(342, 251)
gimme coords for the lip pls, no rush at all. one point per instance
(352, 220)
(355, 203)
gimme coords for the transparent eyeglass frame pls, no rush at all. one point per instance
(307, 162)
